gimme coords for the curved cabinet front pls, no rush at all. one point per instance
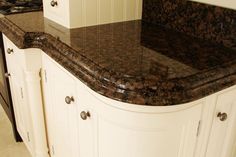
(101, 127)
(105, 130)
(83, 123)
(133, 134)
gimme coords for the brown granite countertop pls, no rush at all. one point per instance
(130, 61)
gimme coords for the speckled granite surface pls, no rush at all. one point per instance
(130, 61)
(196, 19)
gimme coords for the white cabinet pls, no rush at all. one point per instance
(87, 123)
(58, 11)
(80, 13)
(60, 99)
(127, 133)
(65, 103)
(14, 58)
(96, 126)
(83, 123)
(90, 127)
(223, 132)
(23, 72)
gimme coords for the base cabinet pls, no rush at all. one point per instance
(23, 73)
(102, 127)
(17, 85)
(60, 110)
(82, 123)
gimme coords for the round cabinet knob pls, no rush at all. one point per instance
(53, 3)
(84, 115)
(7, 75)
(69, 100)
(10, 51)
(222, 116)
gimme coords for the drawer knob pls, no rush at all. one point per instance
(7, 75)
(53, 3)
(222, 116)
(84, 115)
(10, 51)
(69, 100)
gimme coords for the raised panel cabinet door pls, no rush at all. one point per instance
(20, 107)
(17, 86)
(60, 110)
(223, 133)
(135, 134)
(87, 122)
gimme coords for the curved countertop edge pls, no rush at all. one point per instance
(168, 93)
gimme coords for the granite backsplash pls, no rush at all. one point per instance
(203, 21)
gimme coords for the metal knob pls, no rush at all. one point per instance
(10, 51)
(84, 115)
(7, 75)
(68, 99)
(222, 116)
(53, 3)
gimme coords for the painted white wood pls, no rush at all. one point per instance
(121, 129)
(36, 114)
(227, 4)
(205, 127)
(80, 13)
(131, 134)
(114, 128)
(24, 67)
(61, 118)
(87, 136)
(223, 134)
(111, 131)
(59, 13)
(20, 105)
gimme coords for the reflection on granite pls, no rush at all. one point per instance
(130, 61)
(200, 20)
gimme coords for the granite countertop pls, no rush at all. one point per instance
(132, 62)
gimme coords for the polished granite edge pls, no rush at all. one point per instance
(12, 31)
(204, 21)
(172, 92)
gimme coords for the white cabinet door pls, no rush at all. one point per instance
(60, 110)
(14, 57)
(87, 122)
(223, 135)
(139, 135)
(124, 133)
